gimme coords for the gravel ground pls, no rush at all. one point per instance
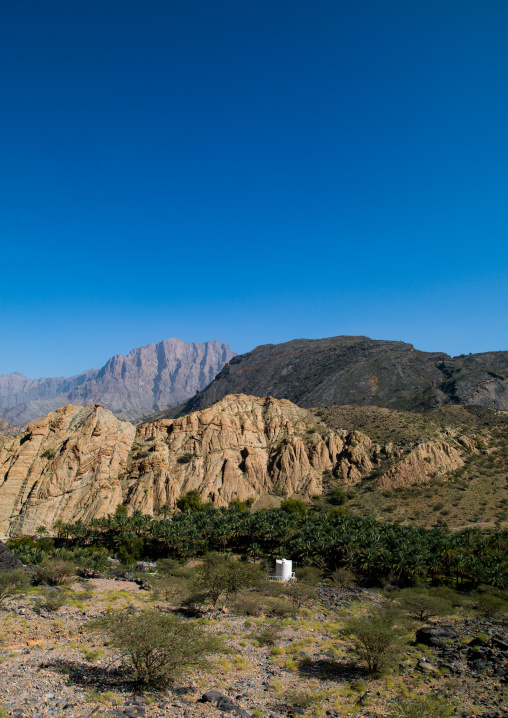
(52, 666)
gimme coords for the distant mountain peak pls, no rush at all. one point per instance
(148, 379)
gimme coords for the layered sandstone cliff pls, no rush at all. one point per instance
(241, 447)
(64, 467)
(81, 462)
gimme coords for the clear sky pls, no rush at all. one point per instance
(252, 171)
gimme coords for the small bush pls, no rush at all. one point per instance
(309, 575)
(49, 454)
(421, 604)
(448, 594)
(294, 506)
(248, 604)
(279, 608)
(52, 601)
(13, 583)
(91, 654)
(343, 577)
(268, 635)
(300, 593)
(376, 638)
(171, 589)
(302, 699)
(55, 572)
(157, 646)
(337, 496)
(407, 707)
(219, 576)
(271, 588)
(490, 606)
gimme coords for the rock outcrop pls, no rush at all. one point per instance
(148, 379)
(426, 461)
(66, 467)
(241, 447)
(81, 462)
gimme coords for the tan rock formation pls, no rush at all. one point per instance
(81, 462)
(241, 447)
(65, 467)
(421, 464)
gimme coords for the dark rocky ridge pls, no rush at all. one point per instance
(148, 379)
(359, 370)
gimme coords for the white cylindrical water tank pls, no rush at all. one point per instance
(283, 569)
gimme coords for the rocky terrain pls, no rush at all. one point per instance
(52, 664)
(79, 463)
(344, 370)
(148, 379)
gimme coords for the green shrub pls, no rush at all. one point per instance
(191, 501)
(13, 583)
(170, 567)
(420, 706)
(56, 572)
(49, 454)
(302, 699)
(131, 550)
(448, 594)
(343, 577)
(248, 604)
(421, 604)
(279, 608)
(156, 646)
(52, 600)
(172, 589)
(490, 606)
(309, 575)
(337, 496)
(300, 593)
(268, 635)
(221, 576)
(376, 639)
(294, 506)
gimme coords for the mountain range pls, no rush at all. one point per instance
(173, 378)
(148, 379)
(358, 370)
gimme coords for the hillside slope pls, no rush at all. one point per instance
(81, 462)
(345, 370)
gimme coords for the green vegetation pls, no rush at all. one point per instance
(420, 706)
(156, 646)
(377, 639)
(220, 575)
(369, 550)
(423, 604)
(12, 583)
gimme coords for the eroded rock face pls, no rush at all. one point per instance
(421, 464)
(65, 467)
(241, 447)
(81, 462)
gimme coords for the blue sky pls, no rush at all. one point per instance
(251, 171)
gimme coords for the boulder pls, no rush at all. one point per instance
(435, 635)
(8, 560)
